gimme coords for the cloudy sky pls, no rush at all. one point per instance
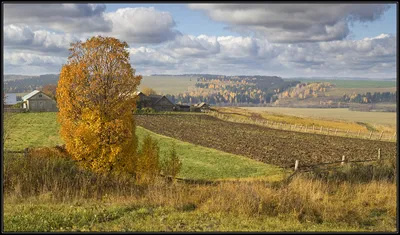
(287, 40)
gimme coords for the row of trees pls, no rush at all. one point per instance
(215, 89)
(368, 97)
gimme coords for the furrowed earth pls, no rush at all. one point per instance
(278, 147)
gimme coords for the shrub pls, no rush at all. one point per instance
(172, 165)
(50, 170)
(148, 167)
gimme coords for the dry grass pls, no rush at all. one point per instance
(383, 118)
(50, 178)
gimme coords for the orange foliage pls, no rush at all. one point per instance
(96, 99)
(50, 90)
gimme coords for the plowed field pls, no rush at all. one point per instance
(271, 146)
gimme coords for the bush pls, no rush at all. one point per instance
(172, 165)
(359, 172)
(148, 167)
(50, 170)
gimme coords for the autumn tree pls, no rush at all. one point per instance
(172, 164)
(96, 98)
(50, 90)
(147, 164)
(148, 91)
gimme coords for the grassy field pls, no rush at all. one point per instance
(41, 129)
(50, 193)
(123, 217)
(205, 163)
(383, 118)
(26, 130)
(340, 91)
(168, 84)
(356, 83)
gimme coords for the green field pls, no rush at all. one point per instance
(356, 83)
(120, 217)
(41, 129)
(384, 118)
(168, 84)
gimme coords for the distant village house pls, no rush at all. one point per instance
(156, 102)
(37, 101)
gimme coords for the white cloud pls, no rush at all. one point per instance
(142, 25)
(291, 23)
(24, 38)
(63, 17)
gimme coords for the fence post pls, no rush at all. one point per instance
(381, 136)
(320, 131)
(379, 154)
(336, 131)
(313, 128)
(296, 165)
(343, 160)
(370, 135)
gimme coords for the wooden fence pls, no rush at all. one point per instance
(383, 136)
(14, 110)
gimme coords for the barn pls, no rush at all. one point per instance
(37, 101)
(156, 102)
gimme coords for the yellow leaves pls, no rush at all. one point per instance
(95, 101)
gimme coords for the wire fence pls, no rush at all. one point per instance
(371, 135)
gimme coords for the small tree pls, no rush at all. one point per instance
(147, 166)
(148, 91)
(172, 164)
(50, 90)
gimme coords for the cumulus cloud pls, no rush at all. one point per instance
(24, 38)
(63, 17)
(142, 25)
(245, 55)
(293, 23)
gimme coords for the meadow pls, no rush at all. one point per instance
(380, 118)
(28, 130)
(48, 192)
(168, 84)
(355, 83)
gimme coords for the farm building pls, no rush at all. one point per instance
(200, 107)
(156, 102)
(37, 101)
(182, 107)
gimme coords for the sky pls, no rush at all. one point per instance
(286, 40)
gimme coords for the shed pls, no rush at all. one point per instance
(37, 101)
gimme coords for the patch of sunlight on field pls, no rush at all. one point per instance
(205, 163)
(382, 118)
(168, 84)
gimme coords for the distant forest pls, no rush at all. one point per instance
(29, 83)
(220, 89)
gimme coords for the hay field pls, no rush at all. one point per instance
(382, 118)
(168, 84)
